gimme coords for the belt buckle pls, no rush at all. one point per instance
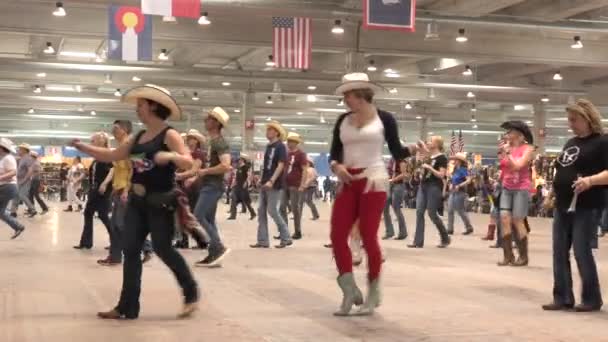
(139, 190)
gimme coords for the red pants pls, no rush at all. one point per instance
(351, 205)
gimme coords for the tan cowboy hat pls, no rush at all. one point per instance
(460, 156)
(220, 115)
(293, 136)
(156, 94)
(193, 133)
(245, 157)
(356, 80)
(8, 145)
(25, 146)
(279, 128)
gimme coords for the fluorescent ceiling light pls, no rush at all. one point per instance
(467, 71)
(470, 95)
(93, 113)
(299, 113)
(117, 93)
(135, 79)
(418, 117)
(49, 48)
(78, 54)
(237, 110)
(72, 99)
(545, 99)
(311, 98)
(393, 91)
(59, 10)
(31, 111)
(578, 44)
(59, 117)
(270, 62)
(371, 67)
(41, 75)
(462, 38)
(519, 107)
(392, 75)
(337, 29)
(204, 19)
(163, 55)
(61, 87)
(557, 76)
(195, 97)
(408, 106)
(226, 84)
(269, 100)
(312, 87)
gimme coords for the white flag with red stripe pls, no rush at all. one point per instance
(292, 42)
(172, 8)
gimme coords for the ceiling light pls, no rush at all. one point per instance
(311, 98)
(195, 96)
(371, 67)
(78, 54)
(204, 19)
(49, 48)
(431, 133)
(393, 91)
(59, 10)
(37, 89)
(389, 71)
(470, 95)
(31, 111)
(135, 79)
(269, 100)
(431, 93)
(299, 113)
(108, 79)
(270, 62)
(60, 117)
(408, 106)
(98, 59)
(78, 88)
(268, 118)
(578, 44)
(117, 93)
(462, 38)
(312, 87)
(557, 76)
(41, 74)
(73, 99)
(93, 113)
(237, 110)
(519, 107)
(163, 55)
(473, 119)
(340, 103)
(337, 29)
(432, 31)
(169, 19)
(544, 99)
(475, 126)
(528, 122)
(473, 107)
(81, 108)
(62, 87)
(418, 117)
(322, 119)
(392, 75)
(467, 71)
(226, 84)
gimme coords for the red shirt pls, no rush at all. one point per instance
(296, 161)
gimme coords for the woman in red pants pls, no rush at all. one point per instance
(356, 158)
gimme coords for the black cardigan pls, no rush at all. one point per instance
(391, 136)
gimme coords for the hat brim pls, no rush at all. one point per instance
(523, 130)
(278, 128)
(156, 95)
(353, 85)
(222, 120)
(297, 140)
(201, 138)
(9, 148)
(27, 148)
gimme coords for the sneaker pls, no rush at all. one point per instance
(387, 237)
(258, 245)
(468, 232)
(68, 209)
(587, 308)
(204, 261)
(401, 237)
(31, 214)
(44, 211)
(284, 244)
(252, 217)
(108, 262)
(81, 247)
(557, 307)
(413, 246)
(296, 236)
(230, 218)
(328, 245)
(17, 233)
(214, 260)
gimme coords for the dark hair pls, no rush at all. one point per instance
(366, 94)
(5, 150)
(126, 125)
(159, 110)
(78, 158)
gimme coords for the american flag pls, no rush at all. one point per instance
(453, 145)
(292, 42)
(460, 142)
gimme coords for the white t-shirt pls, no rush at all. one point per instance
(362, 147)
(8, 163)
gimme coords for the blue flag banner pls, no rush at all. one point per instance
(129, 34)
(397, 15)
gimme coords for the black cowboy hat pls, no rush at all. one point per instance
(520, 126)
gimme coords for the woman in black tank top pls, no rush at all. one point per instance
(155, 153)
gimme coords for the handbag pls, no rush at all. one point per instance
(157, 200)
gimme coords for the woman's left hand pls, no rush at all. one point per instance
(582, 184)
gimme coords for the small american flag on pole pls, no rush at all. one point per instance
(460, 142)
(292, 42)
(453, 144)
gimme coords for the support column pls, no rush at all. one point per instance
(423, 126)
(355, 62)
(540, 130)
(248, 114)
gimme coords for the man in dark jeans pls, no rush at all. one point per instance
(35, 188)
(297, 163)
(240, 191)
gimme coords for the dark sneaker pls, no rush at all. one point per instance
(31, 214)
(14, 215)
(81, 247)
(68, 209)
(204, 261)
(468, 232)
(258, 245)
(401, 237)
(587, 308)
(296, 236)
(413, 246)
(284, 244)
(328, 245)
(444, 244)
(230, 218)
(557, 307)
(17, 233)
(278, 237)
(108, 262)
(214, 260)
(252, 217)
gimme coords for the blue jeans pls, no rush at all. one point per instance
(8, 192)
(395, 200)
(23, 195)
(429, 200)
(269, 205)
(456, 203)
(205, 210)
(575, 230)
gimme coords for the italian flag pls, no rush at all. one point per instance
(172, 8)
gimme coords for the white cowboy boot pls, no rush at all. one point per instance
(351, 294)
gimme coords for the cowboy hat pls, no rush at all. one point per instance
(293, 136)
(279, 128)
(157, 94)
(219, 114)
(193, 133)
(34, 154)
(310, 160)
(8, 145)
(521, 127)
(25, 146)
(245, 156)
(356, 80)
(460, 156)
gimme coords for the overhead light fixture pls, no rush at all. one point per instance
(470, 95)
(135, 79)
(322, 119)
(578, 44)
(544, 99)
(432, 31)
(81, 108)
(337, 29)
(237, 110)
(371, 67)
(269, 100)
(49, 49)
(467, 71)
(108, 79)
(408, 106)
(78, 88)
(299, 113)
(418, 117)
(473, 119)
(519, 107)
(557, 76)
(195, 96)
(529, 122)
(393, 91)
(41, 75)
(204, 19)
(311, 98)
(37, 89)
(341, 103)
(312, 87)
(462, 38)
(392, 74)
(475, 126)
(31, 111)
(169, 19)
(98, 59)
(59, 10)
(163, 55)
(78, 54)
(473, 107)
(268, 118)
(117, 93)
(270, 62)
(93, 113)
(226, 84)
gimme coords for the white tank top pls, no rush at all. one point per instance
(362, 147)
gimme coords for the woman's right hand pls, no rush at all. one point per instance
(342, 173)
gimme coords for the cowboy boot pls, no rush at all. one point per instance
(522, 246)
(507, 248)
(490, 235)
(351, 294)
(373, 300)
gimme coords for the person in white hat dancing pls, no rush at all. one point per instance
(8, 184)
(356, 158)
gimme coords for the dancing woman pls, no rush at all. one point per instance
(584, 163)
(356, 158)
(156, 153)
(458, 194)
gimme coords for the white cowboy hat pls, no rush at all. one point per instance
(156, 94)
(460, 156)
(220, 115)
(8, 145)
(356, 80)
(25, 146)
(196, 135)
(279, 128)
(293, 136)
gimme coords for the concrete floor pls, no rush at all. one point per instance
(50, 292)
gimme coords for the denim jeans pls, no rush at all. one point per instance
(429, 200)
(8, 192)
(292, 198)
(119, 210)
(35, 194)
(23, 192)
(99, 203)
(456, 203)
(309, 199)
(576, 230)
(395, 200)
(269, 205)
(205, 211)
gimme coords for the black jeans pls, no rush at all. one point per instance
(241, 195)
(35, 194)
(576, 230)
(142, 219)
(95, 203)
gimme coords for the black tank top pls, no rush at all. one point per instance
(155, 178)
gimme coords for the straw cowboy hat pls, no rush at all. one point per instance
(25, 146)
(521, 127)
(460, 156)
(356, 80)
(8, 145)
(193, 133)
(279, 128)
(293, 136)
(219, 114)
(156, 94)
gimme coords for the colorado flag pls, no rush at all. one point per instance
(172, 8)
(129, 34)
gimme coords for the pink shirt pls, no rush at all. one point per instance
(516, 180)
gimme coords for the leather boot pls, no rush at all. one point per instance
(374, 297)
(490, 235)
(522, 246)
(507, 247)
(351, 294)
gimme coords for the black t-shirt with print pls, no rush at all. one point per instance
(581, 157)
(437, 162)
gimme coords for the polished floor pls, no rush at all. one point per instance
(51, 292)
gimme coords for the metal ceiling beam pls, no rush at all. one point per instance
(552, 10)
(468, 8)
